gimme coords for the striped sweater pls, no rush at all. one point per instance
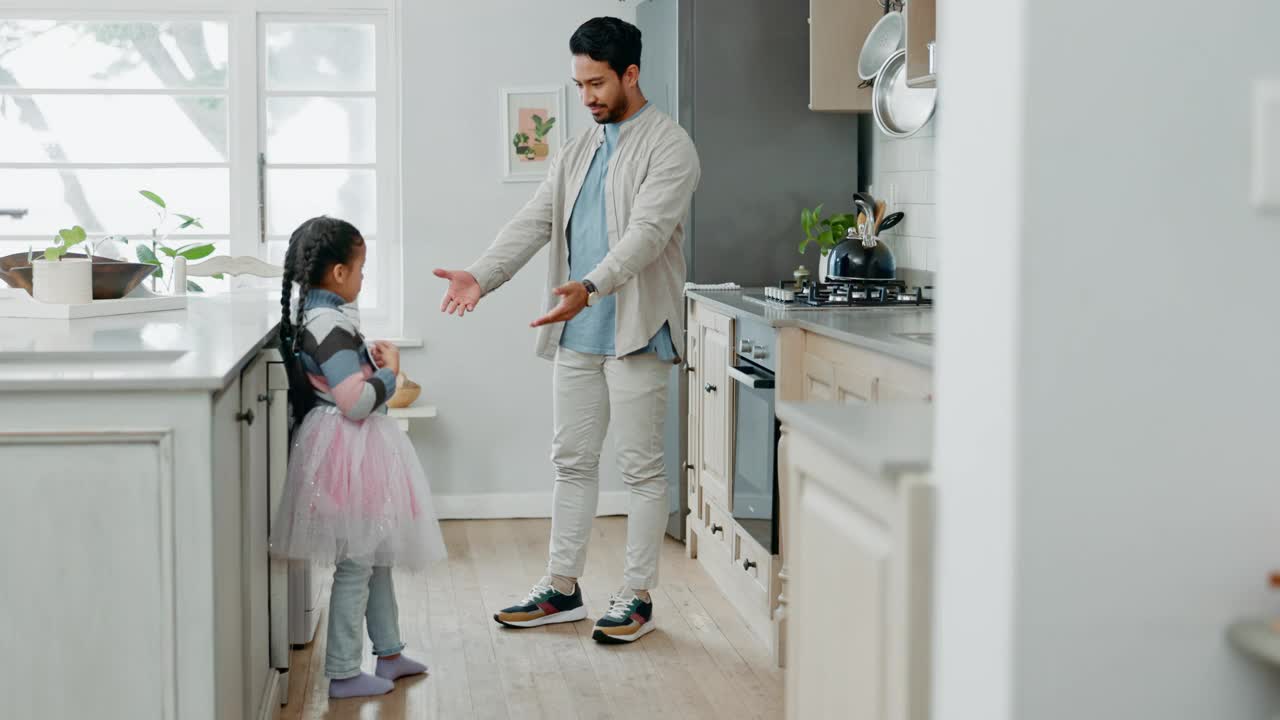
(337, 362)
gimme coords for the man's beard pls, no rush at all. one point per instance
(611, 115)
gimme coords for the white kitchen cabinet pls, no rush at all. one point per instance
(135, 516)
(714, 398)
(859, 564)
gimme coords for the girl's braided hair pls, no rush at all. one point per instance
(317, 245)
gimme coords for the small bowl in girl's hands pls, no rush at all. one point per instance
(407, 392)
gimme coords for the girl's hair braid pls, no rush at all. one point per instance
(317, 245)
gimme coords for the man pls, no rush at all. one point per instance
(611, 208)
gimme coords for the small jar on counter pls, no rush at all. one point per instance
(801, 276)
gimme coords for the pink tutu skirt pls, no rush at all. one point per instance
(356, 490)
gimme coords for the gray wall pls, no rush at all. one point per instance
(765, 156)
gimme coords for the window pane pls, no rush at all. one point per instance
(119, 55)
(296, 195)
(320, 130)
(112, 128)
(320, 56)
(108, 200)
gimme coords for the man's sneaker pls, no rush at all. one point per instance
(629, 618)
(544, 605)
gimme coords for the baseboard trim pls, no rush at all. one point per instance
(495, 506)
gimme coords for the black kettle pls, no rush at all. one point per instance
(862, 256)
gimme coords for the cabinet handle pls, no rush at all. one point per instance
(245, 417)
(709, 388)
(690, 369)
(716, 529)
(689, 466)
(747, 565)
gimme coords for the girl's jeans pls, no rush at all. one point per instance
(360, 592)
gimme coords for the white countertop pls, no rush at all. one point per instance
(199, 348)
(894, 331)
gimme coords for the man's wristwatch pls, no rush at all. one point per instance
(592, 294)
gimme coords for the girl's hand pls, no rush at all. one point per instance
(387, 355)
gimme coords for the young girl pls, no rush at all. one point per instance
(355, 493)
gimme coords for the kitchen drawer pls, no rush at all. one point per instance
(695, 494)
(903, 382)
(718, 526)
(752, 561)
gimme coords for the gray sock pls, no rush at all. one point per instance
(361, 685)
(399, 667)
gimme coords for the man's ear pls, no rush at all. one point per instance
(632, 76)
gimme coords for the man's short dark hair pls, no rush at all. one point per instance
(608, 39)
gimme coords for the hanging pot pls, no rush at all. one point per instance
(861, 259)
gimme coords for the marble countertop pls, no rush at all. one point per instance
(199, 348)
(891, 331)
(881, 439)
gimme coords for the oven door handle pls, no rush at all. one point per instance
(752, 378)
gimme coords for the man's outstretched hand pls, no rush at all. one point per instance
(463, 292)
(573, 298)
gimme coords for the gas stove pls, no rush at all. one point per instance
(843, 295)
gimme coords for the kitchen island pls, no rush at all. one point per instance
(134, 459)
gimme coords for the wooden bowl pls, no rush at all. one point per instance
(407, 392)
(112, 279)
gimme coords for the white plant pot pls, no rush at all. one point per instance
(822, 268)
(68, 281)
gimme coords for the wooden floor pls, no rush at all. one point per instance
(701, 662)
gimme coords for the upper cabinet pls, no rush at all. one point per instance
(921, 33)
(836, 31)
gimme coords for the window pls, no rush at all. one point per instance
(251, 134)
(93, 112)
(327, 121)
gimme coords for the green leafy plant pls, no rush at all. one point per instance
(541, 129)
(66, 239)
(826, 232)
(192, 251)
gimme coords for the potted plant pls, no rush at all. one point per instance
(57, 279)
(521, 143)
(826, 232)
(151, 255)
(540, 131)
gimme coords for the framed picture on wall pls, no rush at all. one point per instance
(533, 123)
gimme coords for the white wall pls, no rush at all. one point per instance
(493, 435)
(1106, 433)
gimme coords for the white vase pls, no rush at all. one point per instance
(68, 281)
(822, 268)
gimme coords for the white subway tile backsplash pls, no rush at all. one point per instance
(903, 175)
(925, 154)
(923, 224)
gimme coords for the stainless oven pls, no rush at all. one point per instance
(755, 461)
